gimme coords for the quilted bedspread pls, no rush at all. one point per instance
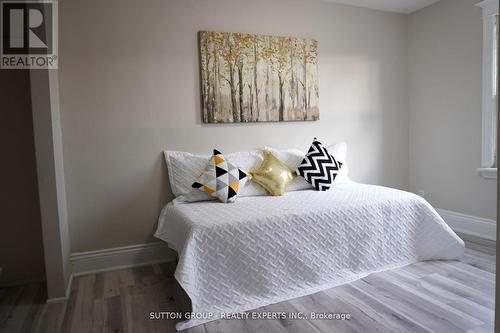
(262, 250)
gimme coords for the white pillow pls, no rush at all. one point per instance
(184, 169)
(293, 157)
(339, 151)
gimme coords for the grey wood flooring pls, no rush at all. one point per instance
(435, 296)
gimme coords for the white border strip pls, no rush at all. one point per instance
(120, 257)
(468, 224)
(115, 258)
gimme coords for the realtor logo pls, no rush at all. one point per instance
(29, 34)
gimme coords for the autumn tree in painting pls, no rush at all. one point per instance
(254, 78)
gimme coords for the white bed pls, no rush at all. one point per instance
(262, 250)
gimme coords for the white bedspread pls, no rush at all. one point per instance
(262, 250)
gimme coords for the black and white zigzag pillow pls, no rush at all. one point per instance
(319, 168)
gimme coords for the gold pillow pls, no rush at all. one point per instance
(273, 175)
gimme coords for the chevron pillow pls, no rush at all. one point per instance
(221, 179)
(318, 167)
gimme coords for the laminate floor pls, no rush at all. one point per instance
(434, 296)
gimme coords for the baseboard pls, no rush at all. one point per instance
(120, 257)
(470, 225)
(479, 244)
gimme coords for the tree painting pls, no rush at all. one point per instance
(256, 78)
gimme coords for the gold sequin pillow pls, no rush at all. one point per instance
(273, 175)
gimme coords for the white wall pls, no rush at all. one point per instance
(51, 182)
(130, 88)
(445, 57)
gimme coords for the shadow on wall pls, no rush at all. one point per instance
(131, 210)
(165, 195)
(158, 179)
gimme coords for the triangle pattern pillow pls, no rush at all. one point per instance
(318, 167)
(221, 179)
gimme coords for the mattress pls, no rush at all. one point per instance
(262, 250)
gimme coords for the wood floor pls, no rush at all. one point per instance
(434, 296)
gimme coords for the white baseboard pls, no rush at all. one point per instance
(468, 224)
(120, 257)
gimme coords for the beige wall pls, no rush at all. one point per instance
(445, 48)
(21, 250)
(130, 88)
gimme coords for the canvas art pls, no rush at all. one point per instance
(256, 78)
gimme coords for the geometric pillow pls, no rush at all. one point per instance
(221, 179)
(319, 168)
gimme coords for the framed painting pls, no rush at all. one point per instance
(257, 78)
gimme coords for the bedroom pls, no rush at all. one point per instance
(399, 92)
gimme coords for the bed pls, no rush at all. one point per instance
(262, 250)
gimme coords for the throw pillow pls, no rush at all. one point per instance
(318, 167)
(221, 179)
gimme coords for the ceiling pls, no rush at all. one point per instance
(398, 6)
